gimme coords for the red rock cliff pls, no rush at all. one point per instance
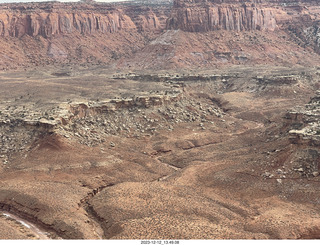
(238, 15)
(36, 34)
(199, 16)
(33, 34)
(57, 18)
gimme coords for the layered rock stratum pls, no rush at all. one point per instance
(121, 35)
(47, 32)
(223, 15)
(52, 19)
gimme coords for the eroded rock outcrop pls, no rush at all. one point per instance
(35, 34)
(136, 36)
(305, 123)
(50, 19)
(238, 15)
(214, 15)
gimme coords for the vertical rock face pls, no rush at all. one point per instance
(49, 24)
(33, 34)
(79, 33)
(147, 19)
(220, 15)
(51, 19)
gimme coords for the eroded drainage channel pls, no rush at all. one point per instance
(39, 233)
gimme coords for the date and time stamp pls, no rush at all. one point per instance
(160, 242)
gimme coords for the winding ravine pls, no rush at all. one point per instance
(38, 232)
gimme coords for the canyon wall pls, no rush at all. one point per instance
(50, 19)
(209, 17)
(39, 34)
(238, 15)
(54, 18)
(283, 2)
(36, 34)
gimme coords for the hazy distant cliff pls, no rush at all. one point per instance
(238, 15)
(227, 17)
(36, 34)
(193, 15)
(49, 19)
(56, 18)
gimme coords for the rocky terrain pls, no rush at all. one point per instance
(151, 120)
(46, 33)
(159, 36)
(124, 164)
